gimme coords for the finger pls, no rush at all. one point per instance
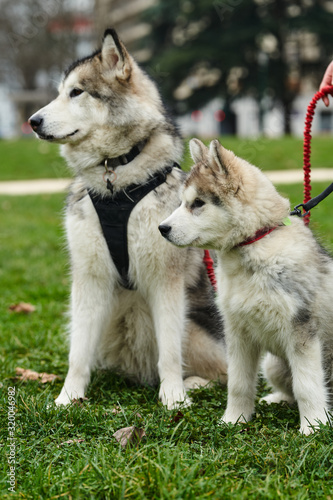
(328, 77)
(326, 101)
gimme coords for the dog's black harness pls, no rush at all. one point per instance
(113, 213)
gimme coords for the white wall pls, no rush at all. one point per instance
(246, 110)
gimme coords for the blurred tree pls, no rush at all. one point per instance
(35, 36)
(229, 48)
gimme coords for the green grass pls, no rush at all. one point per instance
(30, 158)
(192, 458)
(276, 154)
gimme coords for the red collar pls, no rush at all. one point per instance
(261, 233)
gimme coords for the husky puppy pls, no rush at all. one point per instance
(152, 317)
(275, 283)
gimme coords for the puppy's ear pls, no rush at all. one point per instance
(114, 55)
(221, 157)
(199, 151)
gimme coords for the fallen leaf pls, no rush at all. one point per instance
(116, 410)
(179, 415)
(129, 436)
(22, 307)
(48, 377)
(71, 441)
(26, 374)
(79, 401)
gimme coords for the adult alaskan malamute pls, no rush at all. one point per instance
(275, 283)
(148, 311)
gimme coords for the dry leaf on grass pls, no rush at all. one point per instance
(128, 436)
(179, 415)
(22, 307)
(79, 401)
(26, 374)
(71, 441)
(116, 410)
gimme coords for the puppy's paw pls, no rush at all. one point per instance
(227, 420)
(277, 397)
(196, 382)
(234, 417)
(307, 430)
(311, 425)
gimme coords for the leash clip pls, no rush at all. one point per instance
(109, 176)
(298, 212)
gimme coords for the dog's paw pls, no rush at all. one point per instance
(196, 382)
(62, 400)
(277, 397)
(173, 397)
(66, 396)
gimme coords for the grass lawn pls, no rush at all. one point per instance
(71, 452)
(30, 158)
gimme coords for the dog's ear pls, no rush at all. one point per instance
(221, 156)
(198, 150)
(114, 55)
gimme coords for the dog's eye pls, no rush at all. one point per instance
(197, 203)
(75, 92)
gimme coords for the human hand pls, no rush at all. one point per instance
(327, 80)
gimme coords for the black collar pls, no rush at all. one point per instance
(113, 163)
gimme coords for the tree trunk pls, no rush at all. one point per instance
(287, 116)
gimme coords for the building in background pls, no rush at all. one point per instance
(244, 116)
(38, 40)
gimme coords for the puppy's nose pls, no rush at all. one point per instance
(35, 122)
(164, 230)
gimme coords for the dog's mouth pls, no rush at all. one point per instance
(54, 138)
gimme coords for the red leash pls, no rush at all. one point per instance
(210, 269)
(307, 144)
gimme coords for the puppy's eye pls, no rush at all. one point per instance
(75, 92)
(197, 203)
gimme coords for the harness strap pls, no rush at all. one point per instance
(114, 212)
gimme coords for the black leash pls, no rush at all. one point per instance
(311, 203)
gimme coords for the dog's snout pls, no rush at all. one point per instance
(164, 230)
(35, 122)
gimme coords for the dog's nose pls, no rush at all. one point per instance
(164, 230)
(35, 122)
